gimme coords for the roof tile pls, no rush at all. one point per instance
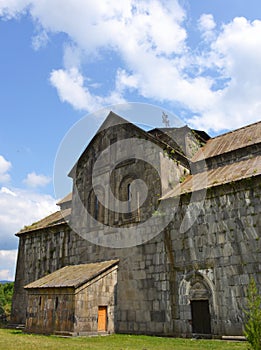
(72, 276)
(236, 139)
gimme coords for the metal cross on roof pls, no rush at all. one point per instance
(165, 120)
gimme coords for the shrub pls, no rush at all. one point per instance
(252, 327)
(6, 293)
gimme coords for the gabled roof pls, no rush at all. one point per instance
(172, 132)
(111, 120)
(57, 218)
(114, 119)
(247, 136)
(178, 138)
(72, 276)
(219, 176)
(66, 199)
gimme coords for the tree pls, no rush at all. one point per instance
(252, 329)
(6, 293)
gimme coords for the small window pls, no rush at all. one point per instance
(56, 303)
(40, 301)
(113, 140)
(95, 207)
(129, 197)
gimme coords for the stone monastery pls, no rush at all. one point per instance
(161, 235)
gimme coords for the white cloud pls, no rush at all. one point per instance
(7, 263)
(206, 22)
(70, 86)
(19, 208)
(93, 24)
(71, 89)
(217, 84)
(5, 166)
(35, 180)
(40, 40)
(236, 54)
(72, 56)
(7, 191)
(13, 8)
(131, 28)
(207, 25)
(125, 80)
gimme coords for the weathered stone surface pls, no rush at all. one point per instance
(71, 310)
(158, 281)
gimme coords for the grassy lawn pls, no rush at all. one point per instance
(16, 340)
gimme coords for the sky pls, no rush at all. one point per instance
(65, 63)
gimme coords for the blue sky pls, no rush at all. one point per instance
(63, 60)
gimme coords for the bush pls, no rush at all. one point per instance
(6, 294)
(252, 329)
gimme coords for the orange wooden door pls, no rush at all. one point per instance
(102, 318)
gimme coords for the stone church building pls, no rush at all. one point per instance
(160, 235)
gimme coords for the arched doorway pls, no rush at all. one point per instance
(200, 317)
(200, 296)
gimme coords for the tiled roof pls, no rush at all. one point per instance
(66, 199)
(59, 217)
(218, 176)
(240, 138)
(73, 275)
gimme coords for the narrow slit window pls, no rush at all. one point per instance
(56, 303)
(96, 208)
(129, 197)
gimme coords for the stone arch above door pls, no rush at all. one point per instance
(197, 284)
(199, 289)
(197, 292)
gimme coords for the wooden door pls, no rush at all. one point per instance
(200, 317)
(102, 318)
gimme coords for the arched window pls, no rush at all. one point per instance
(129, 196)
(95, 206)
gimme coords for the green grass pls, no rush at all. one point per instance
(16, 340)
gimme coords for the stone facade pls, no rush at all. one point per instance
(192, 276)
(50, 311)
(220, 251)
(72, 310)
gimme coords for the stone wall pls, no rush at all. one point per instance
(71, 311)
(223, 249)
(40, 252)
(50, 310)
(113, 171)
(143, 304)
(100, 292)
(158, 280)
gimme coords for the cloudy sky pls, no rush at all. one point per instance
(61, 60)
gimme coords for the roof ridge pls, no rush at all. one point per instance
(232, 131)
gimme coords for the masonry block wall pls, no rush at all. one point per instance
(223, 248)
(40, 252)
(221, 251)
(50, 310)
(192, 277)
(100, 292)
